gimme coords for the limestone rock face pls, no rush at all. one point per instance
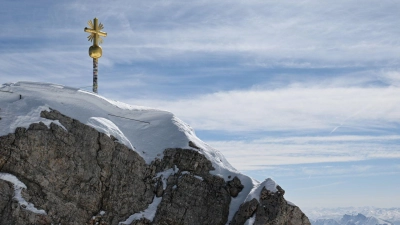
(271, 209)
(187, 195)
(76, 175)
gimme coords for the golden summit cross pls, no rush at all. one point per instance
(95, 50)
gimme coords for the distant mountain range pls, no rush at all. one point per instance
(358, 219)
(352, 216)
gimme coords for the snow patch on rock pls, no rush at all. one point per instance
(165, 175)
(18, 186)
(109, 128)
(251, 220)
(148, 213)
(269, 184)
(33, 116)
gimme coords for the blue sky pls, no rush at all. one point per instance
(306, 92)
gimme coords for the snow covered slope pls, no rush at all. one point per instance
(147, 131)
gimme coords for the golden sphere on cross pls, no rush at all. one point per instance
(95, 51)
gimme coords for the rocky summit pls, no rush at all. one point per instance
(59, 170)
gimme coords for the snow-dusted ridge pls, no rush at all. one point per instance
(147, 131)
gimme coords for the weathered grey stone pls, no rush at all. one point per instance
(74, 174)
(193, 145)
(190, 200)
(5, 148)
(159, 188)
(272, 209)
(234, 187)
(142, 221)
(192, 195)
(246, 210)
(185, 160)
(56, 115)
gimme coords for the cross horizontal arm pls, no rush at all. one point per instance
(101, 33)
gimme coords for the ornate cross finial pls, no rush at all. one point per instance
(95, 50)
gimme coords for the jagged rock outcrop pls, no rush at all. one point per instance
(75, 174)
(271, 209)
(78, 175)
(187, 195)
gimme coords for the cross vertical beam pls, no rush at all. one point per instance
(95, 28)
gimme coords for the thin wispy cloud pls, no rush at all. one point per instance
(306, 33)
(300, 107)
(260, 154)
(321, 186)
(330, 171)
